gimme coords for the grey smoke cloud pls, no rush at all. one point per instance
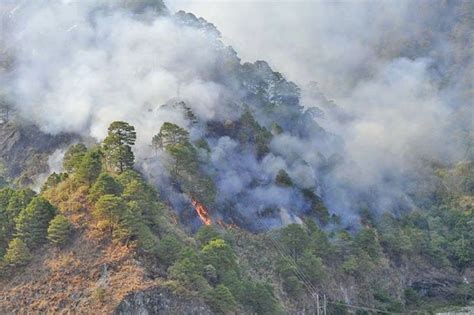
(79, 66)
(397, 107)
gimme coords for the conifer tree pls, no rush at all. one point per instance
(18, 253)
(104, 185)
(90, 167)
(59, 230)
(109, 211)
(118, 146)
(32, 222)
(73, 157)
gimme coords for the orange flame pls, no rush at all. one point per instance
(201, 211)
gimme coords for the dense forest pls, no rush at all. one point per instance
(101, 194)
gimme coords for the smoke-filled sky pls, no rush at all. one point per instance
(78, 65)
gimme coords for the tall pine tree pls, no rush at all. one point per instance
(118, 146)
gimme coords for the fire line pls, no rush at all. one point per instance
(201, 211)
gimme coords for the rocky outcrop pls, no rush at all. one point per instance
(160, 301)
(24, 149)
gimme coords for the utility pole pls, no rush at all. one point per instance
(324, 304)
(317, 304)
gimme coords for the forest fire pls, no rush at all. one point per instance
(201, 211)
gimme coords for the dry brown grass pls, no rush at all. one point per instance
(71, 280)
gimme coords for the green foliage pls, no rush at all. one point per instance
(59, 230)
(90, 167)
(53, 180)
(168, 250)
(104, 185)
(295, 240)
(184, 166)
(12, 202)
(350, 265)
(319, 242)
(317, 205)
(412, 298)
(32, 222)
(221, 300)
(18, 201)
(366, 240)
(170, 134)
(258, 296)
(109, 211)
(252, 134)
(220, 255)
(118, 146)
(287, 270)
(283, 179)
(312, 266)
(202, 144)
(206, 233)
(73, 157)
(188, 271)
(17, 253)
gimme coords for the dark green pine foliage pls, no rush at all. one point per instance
(18, 254)
(170, 134)
(73, 157)
(90, 167)
(104, 185)
(184, 166)
(32, 222)
(118, 146)
(283, 179)
(221, 300)
(251, 134)
(59, 230)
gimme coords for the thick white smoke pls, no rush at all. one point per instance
(391, 111)
(78, 68)
(79, 65)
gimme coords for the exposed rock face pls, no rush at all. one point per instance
(24, 150)
(160, 301)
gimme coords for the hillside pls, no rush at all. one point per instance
(146, 169)
(107, 242)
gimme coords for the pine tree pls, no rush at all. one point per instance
(32, 222)
(118, 146)
(109, 211)
(90, 167)
(283, 179)
(104, 185)
(59, 230)
(170, 134)
(73, 157)
(18, 253)
(222, 300)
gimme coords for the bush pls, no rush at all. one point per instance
(59, 230)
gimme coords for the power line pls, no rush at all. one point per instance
(299, 273)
